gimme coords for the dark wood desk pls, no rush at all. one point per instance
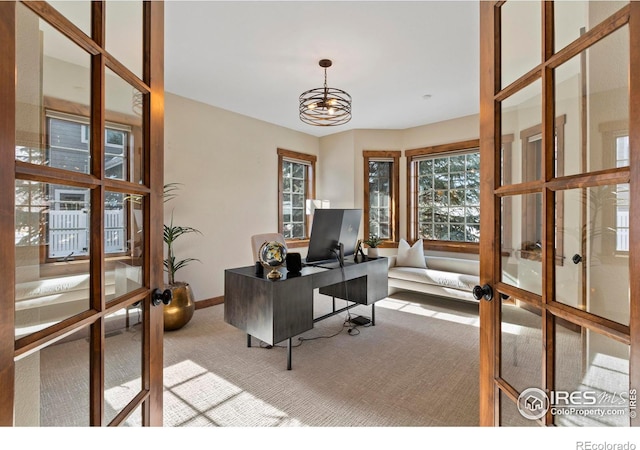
(276, 310)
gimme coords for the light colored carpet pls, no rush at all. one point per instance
(418, 366)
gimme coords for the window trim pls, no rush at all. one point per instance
(412, 227)
(384, 155)
(310, 193)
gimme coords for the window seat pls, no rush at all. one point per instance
(444, 277)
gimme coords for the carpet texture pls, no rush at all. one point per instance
(418, 366)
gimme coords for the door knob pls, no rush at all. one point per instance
(576, 258)
(159, 296)
(480, 292)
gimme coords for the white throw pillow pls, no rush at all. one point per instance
(410, 256)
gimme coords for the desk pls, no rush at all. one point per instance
(276, 310)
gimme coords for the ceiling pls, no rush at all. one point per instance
(256, 57)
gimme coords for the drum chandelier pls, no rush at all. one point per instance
(325, 106)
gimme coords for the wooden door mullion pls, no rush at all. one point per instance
(489, 245)
(7, 209)
(634, 207)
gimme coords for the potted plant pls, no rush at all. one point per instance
(180, 311)
(373, 242)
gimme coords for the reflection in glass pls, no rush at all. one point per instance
(52, 385)
(123, 130)
(522, 241)
(596, 366)
(521, 353)
(124, 33)
(52, 245)
(571, 17)
(122, 359)
(592, 91)
(521, 116)
(520, 38)
(52, 77)
(597, 231)
(123, 243)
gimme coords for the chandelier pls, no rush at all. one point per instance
(325, 106)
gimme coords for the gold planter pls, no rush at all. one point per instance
(180, 311)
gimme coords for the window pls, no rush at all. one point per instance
(68, 144)
(381, 194)
(296, 185)
(445, 196)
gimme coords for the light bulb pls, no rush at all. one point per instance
(313, 105)
(332, 102)
(331, 111)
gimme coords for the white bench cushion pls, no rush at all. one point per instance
(436, 277)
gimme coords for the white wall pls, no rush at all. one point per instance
(227, 164)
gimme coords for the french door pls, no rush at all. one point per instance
(81, 176)
(560, 136)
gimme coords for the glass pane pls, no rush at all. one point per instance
(135, 419)
(123, 157)
(521, 352)
(122, 358)
(52, 74)
(522, 241)
(379, 198)
(52, 385)
(597, 115)
(510, 415)
(77, 11)
(520, 38)
(594, 370)
(595, 276)
(52, 247)
(124, 33)
(521, 140)
(571, 17)
(123, 244)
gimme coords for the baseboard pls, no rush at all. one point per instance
(209, 302)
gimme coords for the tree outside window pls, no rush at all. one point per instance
(381, 194)
(296, 185)
(445, 196)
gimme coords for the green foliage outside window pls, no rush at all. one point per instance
(449, 198)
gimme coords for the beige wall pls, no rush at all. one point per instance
(227, 164)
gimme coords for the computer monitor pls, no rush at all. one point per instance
(330, 228)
